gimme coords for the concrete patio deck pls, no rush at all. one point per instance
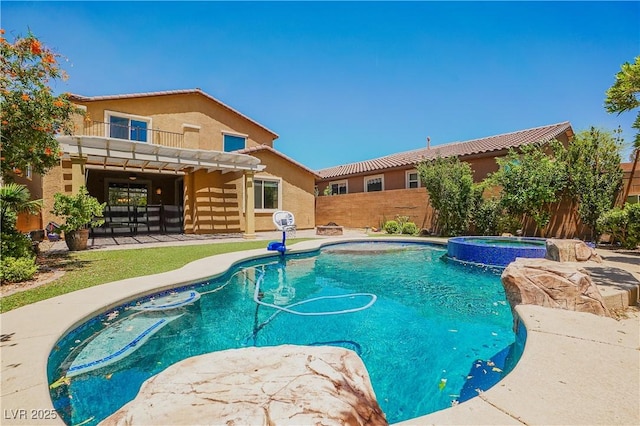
(577, 368)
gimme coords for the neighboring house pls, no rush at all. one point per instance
(370, 192)
(177, 161)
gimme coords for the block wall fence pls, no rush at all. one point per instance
(372, 209)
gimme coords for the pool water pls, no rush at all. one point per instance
(436, 333)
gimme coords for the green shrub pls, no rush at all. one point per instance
(391, 227)
(78, 211)
(16, 270)
(16, 245)
(634, 215)
(623, 224)
(401, 220)
(486, 215)
(508, 223)
(409, 228)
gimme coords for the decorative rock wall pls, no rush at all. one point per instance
(552, 284)
(293, 385)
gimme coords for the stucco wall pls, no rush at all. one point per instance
(212, 203)
(298, 187)
(205, 119)
(27, 222)
(372, 209)
(58, 179)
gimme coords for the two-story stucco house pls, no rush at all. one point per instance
(177, 161)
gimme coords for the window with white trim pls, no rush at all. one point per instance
(128, 127)
(233, 142)
(374, 183)
(339, 187)
(413, 179)
(267, 193)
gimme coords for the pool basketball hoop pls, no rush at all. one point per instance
(285, 222)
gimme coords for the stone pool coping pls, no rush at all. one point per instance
(576, 368)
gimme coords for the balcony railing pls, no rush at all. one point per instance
(132, 133)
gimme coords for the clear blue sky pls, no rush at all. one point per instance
(343, 82)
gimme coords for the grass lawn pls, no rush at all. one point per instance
(89, 268)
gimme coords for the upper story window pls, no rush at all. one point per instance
(129, 127)
(413, 179)
(374, 183)
(338, 188)
(267, 193)
(234, 142)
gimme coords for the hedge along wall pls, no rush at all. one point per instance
(565, 223)
(372, 209)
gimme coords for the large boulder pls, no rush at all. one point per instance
(570, 251)
(282, 385)
(552, 284)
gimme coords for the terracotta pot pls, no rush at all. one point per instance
(77, 240)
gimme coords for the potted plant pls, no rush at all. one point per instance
(80, 212)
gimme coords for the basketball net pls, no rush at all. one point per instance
(290, 231)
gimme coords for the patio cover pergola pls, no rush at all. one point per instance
(95, 152)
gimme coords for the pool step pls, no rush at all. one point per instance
(118, 341)
(170, 301)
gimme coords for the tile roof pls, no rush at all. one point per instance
(80, 98)
(261, 147)
(459, 149)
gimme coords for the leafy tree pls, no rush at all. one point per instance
(449, 183)
(531, 180)
(594, 175)
(30, 114)
(623, 96)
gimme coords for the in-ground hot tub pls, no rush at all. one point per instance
(495, 251)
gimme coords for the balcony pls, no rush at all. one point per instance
(132, 133)
(109, 146)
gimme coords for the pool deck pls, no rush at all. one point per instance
(576, 368)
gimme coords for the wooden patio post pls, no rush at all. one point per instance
(249, 203)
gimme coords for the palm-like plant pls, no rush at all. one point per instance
(15, 199)
(623, 96)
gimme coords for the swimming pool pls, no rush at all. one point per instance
(430, 328)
